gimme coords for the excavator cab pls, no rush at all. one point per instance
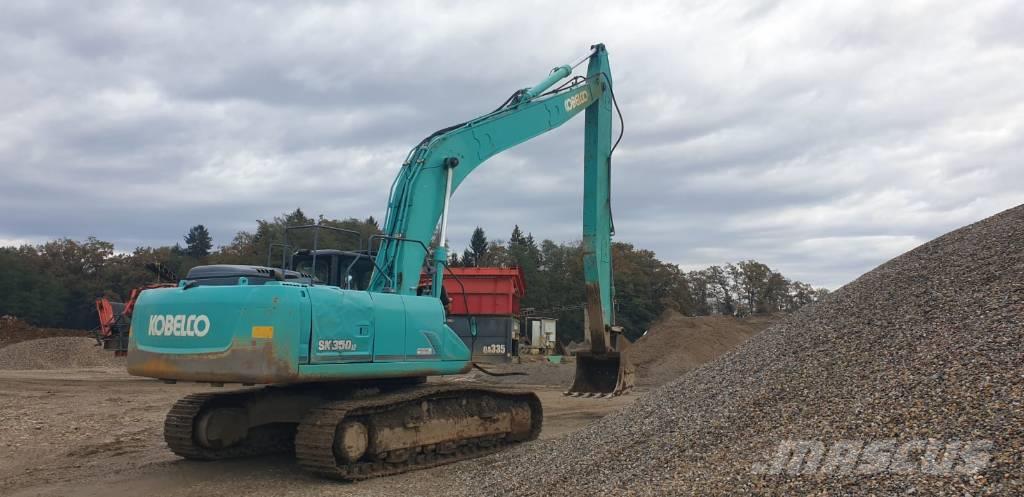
(340, 268)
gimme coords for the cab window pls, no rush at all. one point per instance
(323, 268)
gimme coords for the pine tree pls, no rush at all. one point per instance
(478, 246)
(523, 250)
(198, 241)
(517, 237)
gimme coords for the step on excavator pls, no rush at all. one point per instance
(335, 350)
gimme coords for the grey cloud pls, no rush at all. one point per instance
(820, 139)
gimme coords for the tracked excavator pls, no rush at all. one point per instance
(336, 370)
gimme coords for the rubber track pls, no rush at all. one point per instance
(180, 420)
(315, 437)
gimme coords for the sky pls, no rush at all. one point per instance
(821, 138)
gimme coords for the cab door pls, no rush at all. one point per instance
(342, 328)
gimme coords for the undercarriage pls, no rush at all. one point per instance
(354, 432)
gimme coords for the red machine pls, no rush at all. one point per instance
(116, 317)
(483, 309)
(484, 291)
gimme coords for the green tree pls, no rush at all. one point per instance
(560, 277)
(776, 291)
(645, 287)
(524, 253)
(198, 242)
(478, 246)
(720, 288)
(29, 291)
(700, 292)
(496, 255)
(467, 258)
(56, 283)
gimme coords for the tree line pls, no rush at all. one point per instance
(56, 283)
(644, 285)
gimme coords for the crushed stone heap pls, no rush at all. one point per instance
(676, 343)
(919, 358)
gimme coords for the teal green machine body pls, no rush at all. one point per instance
(291, 332)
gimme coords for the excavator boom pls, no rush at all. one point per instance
(439, 164)
(601, 369)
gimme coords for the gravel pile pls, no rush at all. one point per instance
(57, 353)
(676, 344)
(929, 345)
(13, 330)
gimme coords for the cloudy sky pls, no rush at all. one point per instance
(819, 138)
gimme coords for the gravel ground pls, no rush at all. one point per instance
(926, 346)
(537, 373)
(56, 353)
(99, 433)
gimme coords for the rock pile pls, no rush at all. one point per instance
(676, 344)
(57, 353)
(909, 380)
(14, 330)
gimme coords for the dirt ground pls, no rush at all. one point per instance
(676, 344)
(98, 432)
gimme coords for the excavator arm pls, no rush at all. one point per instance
(437, 166)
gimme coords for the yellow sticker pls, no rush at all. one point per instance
(263, 332)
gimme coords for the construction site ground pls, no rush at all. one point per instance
(73, 422)
(98, 432)
(924, 350)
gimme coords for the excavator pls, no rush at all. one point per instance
(333, 364)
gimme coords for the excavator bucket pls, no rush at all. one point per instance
(601, 375)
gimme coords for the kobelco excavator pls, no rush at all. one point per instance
(344, 348)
